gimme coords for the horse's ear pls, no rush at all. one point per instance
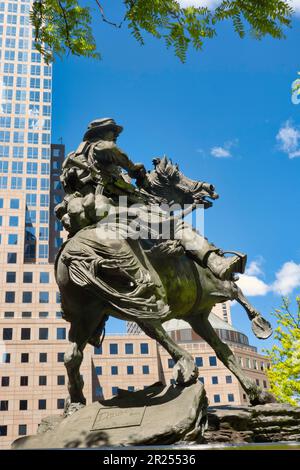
(156, 161)
(164, 162)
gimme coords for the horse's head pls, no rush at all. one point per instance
(168, 183)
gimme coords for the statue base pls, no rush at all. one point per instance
(155, 415)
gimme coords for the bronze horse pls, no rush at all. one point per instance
(124, 278)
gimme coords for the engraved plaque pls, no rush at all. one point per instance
(112, 418)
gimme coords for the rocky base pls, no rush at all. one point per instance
(155, 415)
(273, 422)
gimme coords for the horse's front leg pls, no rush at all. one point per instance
(201, 325)
(185, 371)
(260, 327)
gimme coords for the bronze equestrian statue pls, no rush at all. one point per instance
(105, 269)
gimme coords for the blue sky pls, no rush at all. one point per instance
(226, 117)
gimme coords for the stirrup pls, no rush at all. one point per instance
(242, 256)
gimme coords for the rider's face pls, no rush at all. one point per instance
(110, 136)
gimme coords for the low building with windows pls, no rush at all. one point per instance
(33, 381)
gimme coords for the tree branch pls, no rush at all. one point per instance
(105, 20)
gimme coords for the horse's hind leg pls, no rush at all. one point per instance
(201, 325)
(84, 327)
(184, 371)
(73, 359)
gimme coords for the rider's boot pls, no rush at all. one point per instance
(224, 268)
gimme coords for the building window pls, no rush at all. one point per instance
(114, 370)
(43, 333)
(114, 390)
(265, 383)
(199, 361)
(212, 361)
(144, 348)
(61, 380)
(23, 405)
(25, 333)
(98, 350)
(43, 314)
(42, 380)
(11, 258)
(230, 397)
(9, 297)
(44, 297)
(130, 370)
(26, 315)
(201, 379)
(228, 379)
(98, 370)
(217, 399)
(98, 391)
(257, 381)
(7, 334)
(27, 278)
(12, 239)
(43, 357)
(4, 405)
(214, 380)
(113, 348)
(130, 388)
(254, 364)
(9, 314)
(145, 370)
(22, 429)
(60, 357)
(42, 404)
(27, 297)
(3, 431)
(5, 381)
(14, 203)
(24, 381)
(60, 403)
(128, 348)
(171, 363)
(10, 276)
(60, 333)
(6, 358)
(24, 357)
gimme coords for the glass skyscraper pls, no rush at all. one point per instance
(25, 138)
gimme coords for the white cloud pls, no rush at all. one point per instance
(296, 5)
(289, 139)
(223, 151)
(213, 3)
(254, 268)
(220, 152)
(287, 278)
(199, 3)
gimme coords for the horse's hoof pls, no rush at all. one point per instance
(72, 407)
(185, 372)
(261, 328)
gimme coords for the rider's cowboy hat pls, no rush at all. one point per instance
(97, 126)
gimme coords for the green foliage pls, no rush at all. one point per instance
(284, 373)
(62, 26)
(65, 26)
